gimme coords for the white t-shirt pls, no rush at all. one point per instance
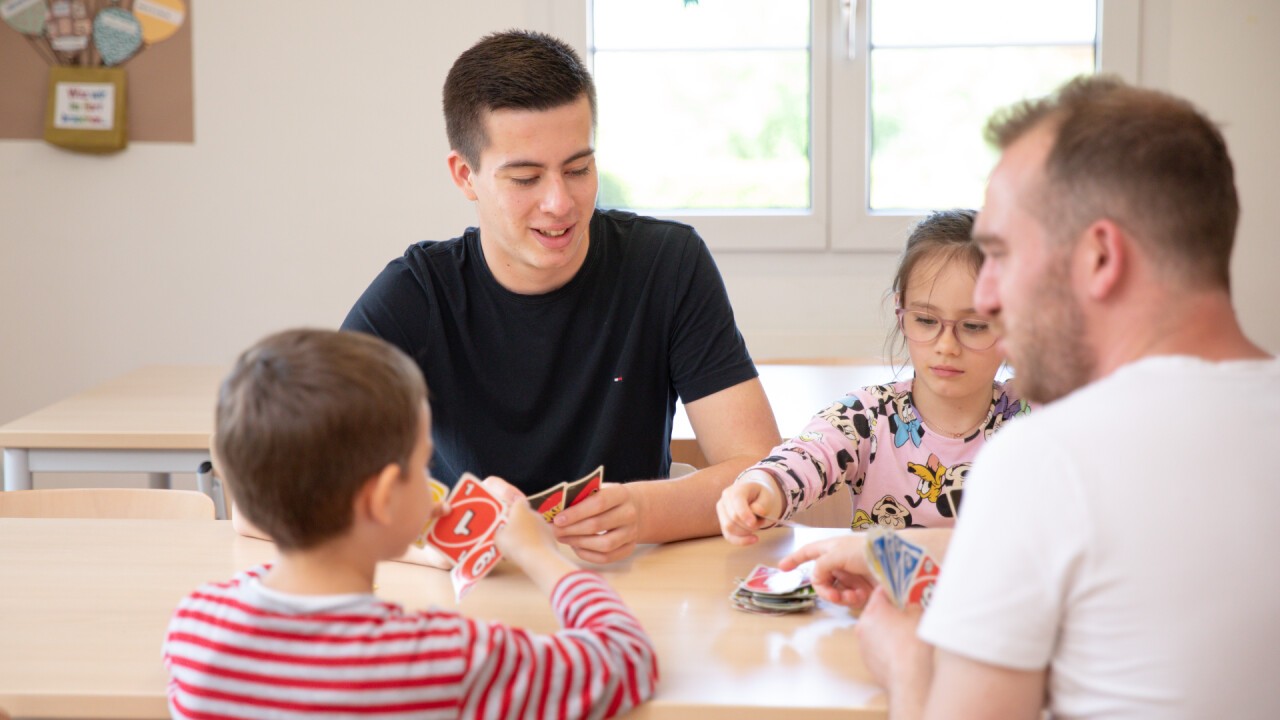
(1124, 538)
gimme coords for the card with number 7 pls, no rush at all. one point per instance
(473, 511)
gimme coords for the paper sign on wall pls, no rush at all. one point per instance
(84, 106)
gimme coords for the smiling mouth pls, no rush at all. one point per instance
(554, 233)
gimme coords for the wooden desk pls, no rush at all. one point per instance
(156, 420)
(84, 605)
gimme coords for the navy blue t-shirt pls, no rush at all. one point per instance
(543, 388)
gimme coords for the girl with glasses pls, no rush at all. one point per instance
(903, 448)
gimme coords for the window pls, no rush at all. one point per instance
(820, 124)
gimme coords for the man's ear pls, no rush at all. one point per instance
(461, 172)
(378, 496)
(1103, 258)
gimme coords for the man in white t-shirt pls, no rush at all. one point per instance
(1112, 558)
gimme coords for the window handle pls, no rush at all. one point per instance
(849, 14)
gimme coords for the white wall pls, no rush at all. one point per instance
(319, 156)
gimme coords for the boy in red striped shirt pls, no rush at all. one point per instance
(324, 438)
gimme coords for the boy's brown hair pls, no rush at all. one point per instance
(518, 70)
(305, 418)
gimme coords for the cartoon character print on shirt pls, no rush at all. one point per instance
(851, 418)
(794, 486)
(939, 484)
(903, 421)
(1003, 410)
(887, 512)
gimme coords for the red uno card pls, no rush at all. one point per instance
(584, 487)
(549, 502)
(473, 512)
(767, 580)
(920, 589)
(476, 562)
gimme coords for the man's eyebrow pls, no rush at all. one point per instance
(520, 164)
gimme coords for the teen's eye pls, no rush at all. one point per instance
(524, 181)
(581, 172)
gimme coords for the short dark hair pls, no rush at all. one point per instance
(1145, 159)
(305, 419)
(944, 234)
(517, 69)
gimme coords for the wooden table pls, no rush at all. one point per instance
(84, 605)
(156, 420)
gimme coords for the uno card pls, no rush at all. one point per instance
(584, 487)
(439, 491)
(765, 580)
(920, 589)
(473, 512)
(549, 502)
(476, 562)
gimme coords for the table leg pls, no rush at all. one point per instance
(17, 471)
(160, 481)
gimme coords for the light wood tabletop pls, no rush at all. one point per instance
(84, 605)
(155, 420)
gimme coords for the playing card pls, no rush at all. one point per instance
(476, 562)
(770, 591)
(584, 487)
(905, 571)
(473, 511)
(549, 502)
(767, 580)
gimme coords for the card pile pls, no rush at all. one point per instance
(466, 535)
(770, 591)
(905, 571)
(552, 501)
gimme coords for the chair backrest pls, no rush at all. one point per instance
(113, 503)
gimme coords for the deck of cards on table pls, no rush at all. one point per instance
(905, 571)
(770, 591)
(466, 535)
(551, 501)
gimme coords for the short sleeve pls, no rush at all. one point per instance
(1011, 561)
(394, 308)
(708, 353)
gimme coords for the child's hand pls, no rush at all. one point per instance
(528, 540)
(751, 503)
(840, 573)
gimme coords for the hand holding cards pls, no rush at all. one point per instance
(770, 591)
(550, 502)
(466, 535)
(905, 571)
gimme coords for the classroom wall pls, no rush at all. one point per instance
(319, 155)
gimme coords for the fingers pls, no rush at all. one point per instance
(738, 522)
(601, 558)
(503, 490)
(809, 552)
(609, 496)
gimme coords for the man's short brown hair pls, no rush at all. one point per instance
(305, 418)
(1144, 159)
(517, 69)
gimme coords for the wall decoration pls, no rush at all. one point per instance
(84, 68)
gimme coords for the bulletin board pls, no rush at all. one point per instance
(160, 99)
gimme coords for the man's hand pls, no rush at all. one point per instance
(840, 573)
(603, 527)
(753, 502)
(888, 641)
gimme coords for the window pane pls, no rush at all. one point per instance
(929, 108)
(703, 130)
(707, 24)
(982, 22)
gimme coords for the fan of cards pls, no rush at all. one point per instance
(770, 591)
(550, 502)
(905, 571)
(466, 535)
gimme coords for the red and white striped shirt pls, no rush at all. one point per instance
(241, 650)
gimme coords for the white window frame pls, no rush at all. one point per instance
(840, 160)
